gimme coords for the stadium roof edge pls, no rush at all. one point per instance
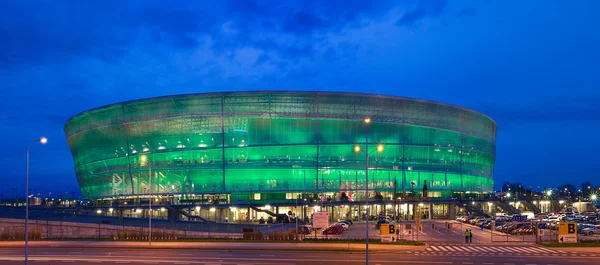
(279, 92)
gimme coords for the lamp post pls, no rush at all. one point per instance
(357, 150)
(144, 161)
(42, 140)
(367, 121)
(296, 210)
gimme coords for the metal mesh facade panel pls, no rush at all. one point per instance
(279, 142)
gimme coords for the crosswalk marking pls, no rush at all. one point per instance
(480, 249)
(527, 250)
(501, 250)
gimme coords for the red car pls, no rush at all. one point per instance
(333, 230)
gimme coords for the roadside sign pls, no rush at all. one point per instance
(567, 239)
(567, 232)
(519, 218)
(388, 229)
(388, 238)
(567, 228)
(320, 220)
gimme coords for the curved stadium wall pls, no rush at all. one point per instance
(276, 142)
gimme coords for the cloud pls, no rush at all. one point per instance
(409, 18)
(110, 31)
(423, 10)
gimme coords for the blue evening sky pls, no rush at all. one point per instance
(533, 66)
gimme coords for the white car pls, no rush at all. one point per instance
(590, 231)
(344, 225)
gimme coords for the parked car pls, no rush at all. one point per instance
(344, 226)
(348, 221)
(590, 231)
(345, 221)
(333, 230)
(305, 230)
(384, 221)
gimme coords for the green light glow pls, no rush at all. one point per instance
(279, 142)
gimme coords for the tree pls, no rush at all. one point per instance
(513, 187)
(567, 190)
(586, 188)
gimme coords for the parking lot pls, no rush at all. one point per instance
(537, 228)
(433, 231)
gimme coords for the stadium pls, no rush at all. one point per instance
(257, 151)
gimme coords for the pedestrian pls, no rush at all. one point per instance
(470, 236)
(466, 235)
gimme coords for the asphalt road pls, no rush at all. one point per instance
(271, 257)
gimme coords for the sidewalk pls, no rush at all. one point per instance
(576, 249)
(301, 246)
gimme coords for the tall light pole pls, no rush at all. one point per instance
(144, 161)
(367, 121)
(296, 209)
(42, 140)
(357, 150)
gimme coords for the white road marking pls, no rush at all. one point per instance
(528, 250)
(445, 249)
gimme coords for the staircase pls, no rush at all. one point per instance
(186, 214)
(507, 208)
(475, 211)
(263, 211)
(531, 206)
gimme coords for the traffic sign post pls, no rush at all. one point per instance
(388, 233)
(519, 218)
(320, 220)
(567, 232)
(408, 230)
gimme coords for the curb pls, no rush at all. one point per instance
(352, 247)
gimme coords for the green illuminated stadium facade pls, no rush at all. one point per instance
(273, 145)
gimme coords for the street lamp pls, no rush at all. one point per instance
(357, 150)
(143, 162)
(42, 140)
(594, 197)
